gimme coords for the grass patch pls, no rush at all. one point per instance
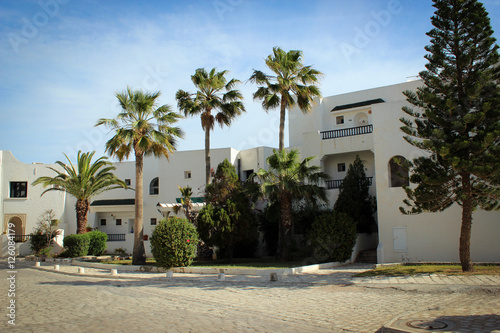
(416, 269)
(242, 263)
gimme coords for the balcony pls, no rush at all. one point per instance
(337, 183)
(340, 133)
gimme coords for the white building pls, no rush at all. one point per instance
(364, 123)
(367, 123)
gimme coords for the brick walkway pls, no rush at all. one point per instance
(322, 301)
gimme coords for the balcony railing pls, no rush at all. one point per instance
(337, 183)
(116, 237)
(333, 134)
(21, 238)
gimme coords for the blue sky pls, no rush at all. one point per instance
(62, 61)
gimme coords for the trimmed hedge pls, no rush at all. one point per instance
(76, 245)
(333, 237)
(174, 242)
(97, 244)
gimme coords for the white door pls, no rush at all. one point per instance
(399, 235)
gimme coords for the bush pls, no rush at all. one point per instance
(174, 242)
(76, 245)
(97, 244)
(39, 241)
(333, 237)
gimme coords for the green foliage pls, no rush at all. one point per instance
(268, 224)
(333, 237)
(292, 83)
(457, 121)
(174, 242)
(354, 198)
(44, 234)
(84, 181)
(227, 221)
(458, 116)
(287, 180)
(97, 244)
(76, 245)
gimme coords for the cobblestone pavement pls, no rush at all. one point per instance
(323, 301)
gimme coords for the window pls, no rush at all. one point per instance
(247, 173)
(153, 221)
(127, 182)
(187, 174)
(18, 189)
(103, 221)
(153, 186)
(340, 120)
(118, 221)
(398, 172)
(341, 167)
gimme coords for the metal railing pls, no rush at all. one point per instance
(21, 238)
(337, 183)
(333, 134)
(116, 237)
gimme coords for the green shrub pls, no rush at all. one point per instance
(39, 241)
(174, 242)
(333, 237)
(76, 245)
(97, 244)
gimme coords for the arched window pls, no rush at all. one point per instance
(154, 186)
(398, 172)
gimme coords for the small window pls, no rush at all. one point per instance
(340, 120)
(118, 221)
(18, 189)
(341, 167)
(398, 172)
(153, 221)
(154, 186)
(127, 182)
(103, 221)
(187, 174)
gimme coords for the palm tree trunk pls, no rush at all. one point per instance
(139, 255)
(465, 232)
(286, 226)
(282, 124)
(207, 155)
(82, 208)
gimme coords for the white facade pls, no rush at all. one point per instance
(364, 123)
(113, 211)
(367, 123)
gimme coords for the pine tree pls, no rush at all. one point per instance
(457, 118)
(354, 198)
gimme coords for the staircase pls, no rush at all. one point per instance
(367, 257)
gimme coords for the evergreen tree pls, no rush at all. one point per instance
(227, 221)
(458, 118)
(354, 198)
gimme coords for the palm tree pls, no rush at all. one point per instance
(286, 180)
(144, 129)
(83, 182)
(186, 204)
(292, 84)
(214, 93)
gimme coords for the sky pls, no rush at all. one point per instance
(63, 61)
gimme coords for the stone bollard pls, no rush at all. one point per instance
(37, 264)
(56, 267)
(221, 277)
(170, 274)
(274, 277)
(114, 272)
(81, 270)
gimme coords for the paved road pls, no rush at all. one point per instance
(54, 302)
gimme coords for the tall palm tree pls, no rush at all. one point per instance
(83, 182)
(215, 94)
(286, 180)
(293, 83)
(144, 129)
